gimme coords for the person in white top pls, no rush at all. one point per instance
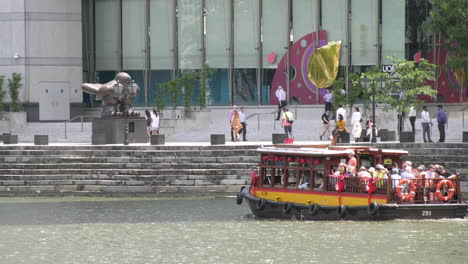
(356, 124)
(154, 129)
(243, 122)
(341, 111)
(281, 96)
(412, 118)
(426, 123)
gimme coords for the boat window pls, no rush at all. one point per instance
(366, 160)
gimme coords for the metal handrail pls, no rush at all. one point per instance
(74, 118)
(274, 112)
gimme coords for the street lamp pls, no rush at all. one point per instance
(365, 82)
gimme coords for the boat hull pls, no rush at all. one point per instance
(283, 210)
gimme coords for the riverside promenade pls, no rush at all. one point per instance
(173, 169)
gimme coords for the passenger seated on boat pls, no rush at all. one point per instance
(430, 172)
(395, 177)
(382, 173)
(342, 168)
(304, 186)
(407, 173)
(363, 173)
(319, 183)
(395, 166)
(421, 172)
(446, 174)
(351, 171)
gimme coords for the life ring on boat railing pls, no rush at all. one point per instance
(261, 203)
(373, 209)
(314, 209)
(342, 211)
(451, 190)
(405, 196)
(239, 198)
(287, 209)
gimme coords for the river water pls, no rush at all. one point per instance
(209, 230)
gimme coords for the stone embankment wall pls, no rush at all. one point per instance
(163, 170)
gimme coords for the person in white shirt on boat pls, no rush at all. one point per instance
(407, 173)
(395, 177)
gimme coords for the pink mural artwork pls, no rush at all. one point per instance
(417, 57)
(448, 89)
(300, 85)
(271, 58)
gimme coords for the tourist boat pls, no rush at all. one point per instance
(301, 182)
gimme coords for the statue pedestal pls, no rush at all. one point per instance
(114, 129)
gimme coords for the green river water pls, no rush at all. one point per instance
(209, 230)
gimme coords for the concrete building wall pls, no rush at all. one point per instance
(46, 37)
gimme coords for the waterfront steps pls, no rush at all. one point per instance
(152, 170)
(120, 170)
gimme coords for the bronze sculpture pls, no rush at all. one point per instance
(116, 95)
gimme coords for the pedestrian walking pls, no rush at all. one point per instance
(287, 122)
(356, 124)
(148, 124)
(328, 97)
(412, 118)
(236, 125)
(243, 121)
(426, 123)
(326, 124)
(154, 129)
(281, 96)
(441, 122)
(231, 113)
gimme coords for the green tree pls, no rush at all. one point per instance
(450, 18)
(14, 85)
(354, 93)
(2, 91)
(185, 84)
(406, 89)
(205, 76)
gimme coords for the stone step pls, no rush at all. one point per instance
(78, 171)
(128, 147)
(133, 165)
(95, 190)
(11, 178)
(128, 180)
(180, 160)
(138, 153)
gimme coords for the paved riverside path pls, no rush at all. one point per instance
(176, 168)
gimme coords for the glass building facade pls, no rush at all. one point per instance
(244, 40)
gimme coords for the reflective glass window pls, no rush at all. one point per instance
(364, 31)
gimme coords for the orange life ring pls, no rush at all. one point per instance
(451, 190)
(405, 196)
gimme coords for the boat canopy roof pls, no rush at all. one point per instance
(330, 151)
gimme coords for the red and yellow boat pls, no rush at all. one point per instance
(300, 182)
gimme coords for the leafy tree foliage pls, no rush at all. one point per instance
(450, 18)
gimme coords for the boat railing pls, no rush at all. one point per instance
(426, 190)
(417, 190)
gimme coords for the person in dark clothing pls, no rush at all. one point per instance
(441, 122)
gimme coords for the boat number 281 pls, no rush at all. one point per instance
(426, 213)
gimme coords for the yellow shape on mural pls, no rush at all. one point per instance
(322, 67)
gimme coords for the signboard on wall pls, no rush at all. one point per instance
(54, 101)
